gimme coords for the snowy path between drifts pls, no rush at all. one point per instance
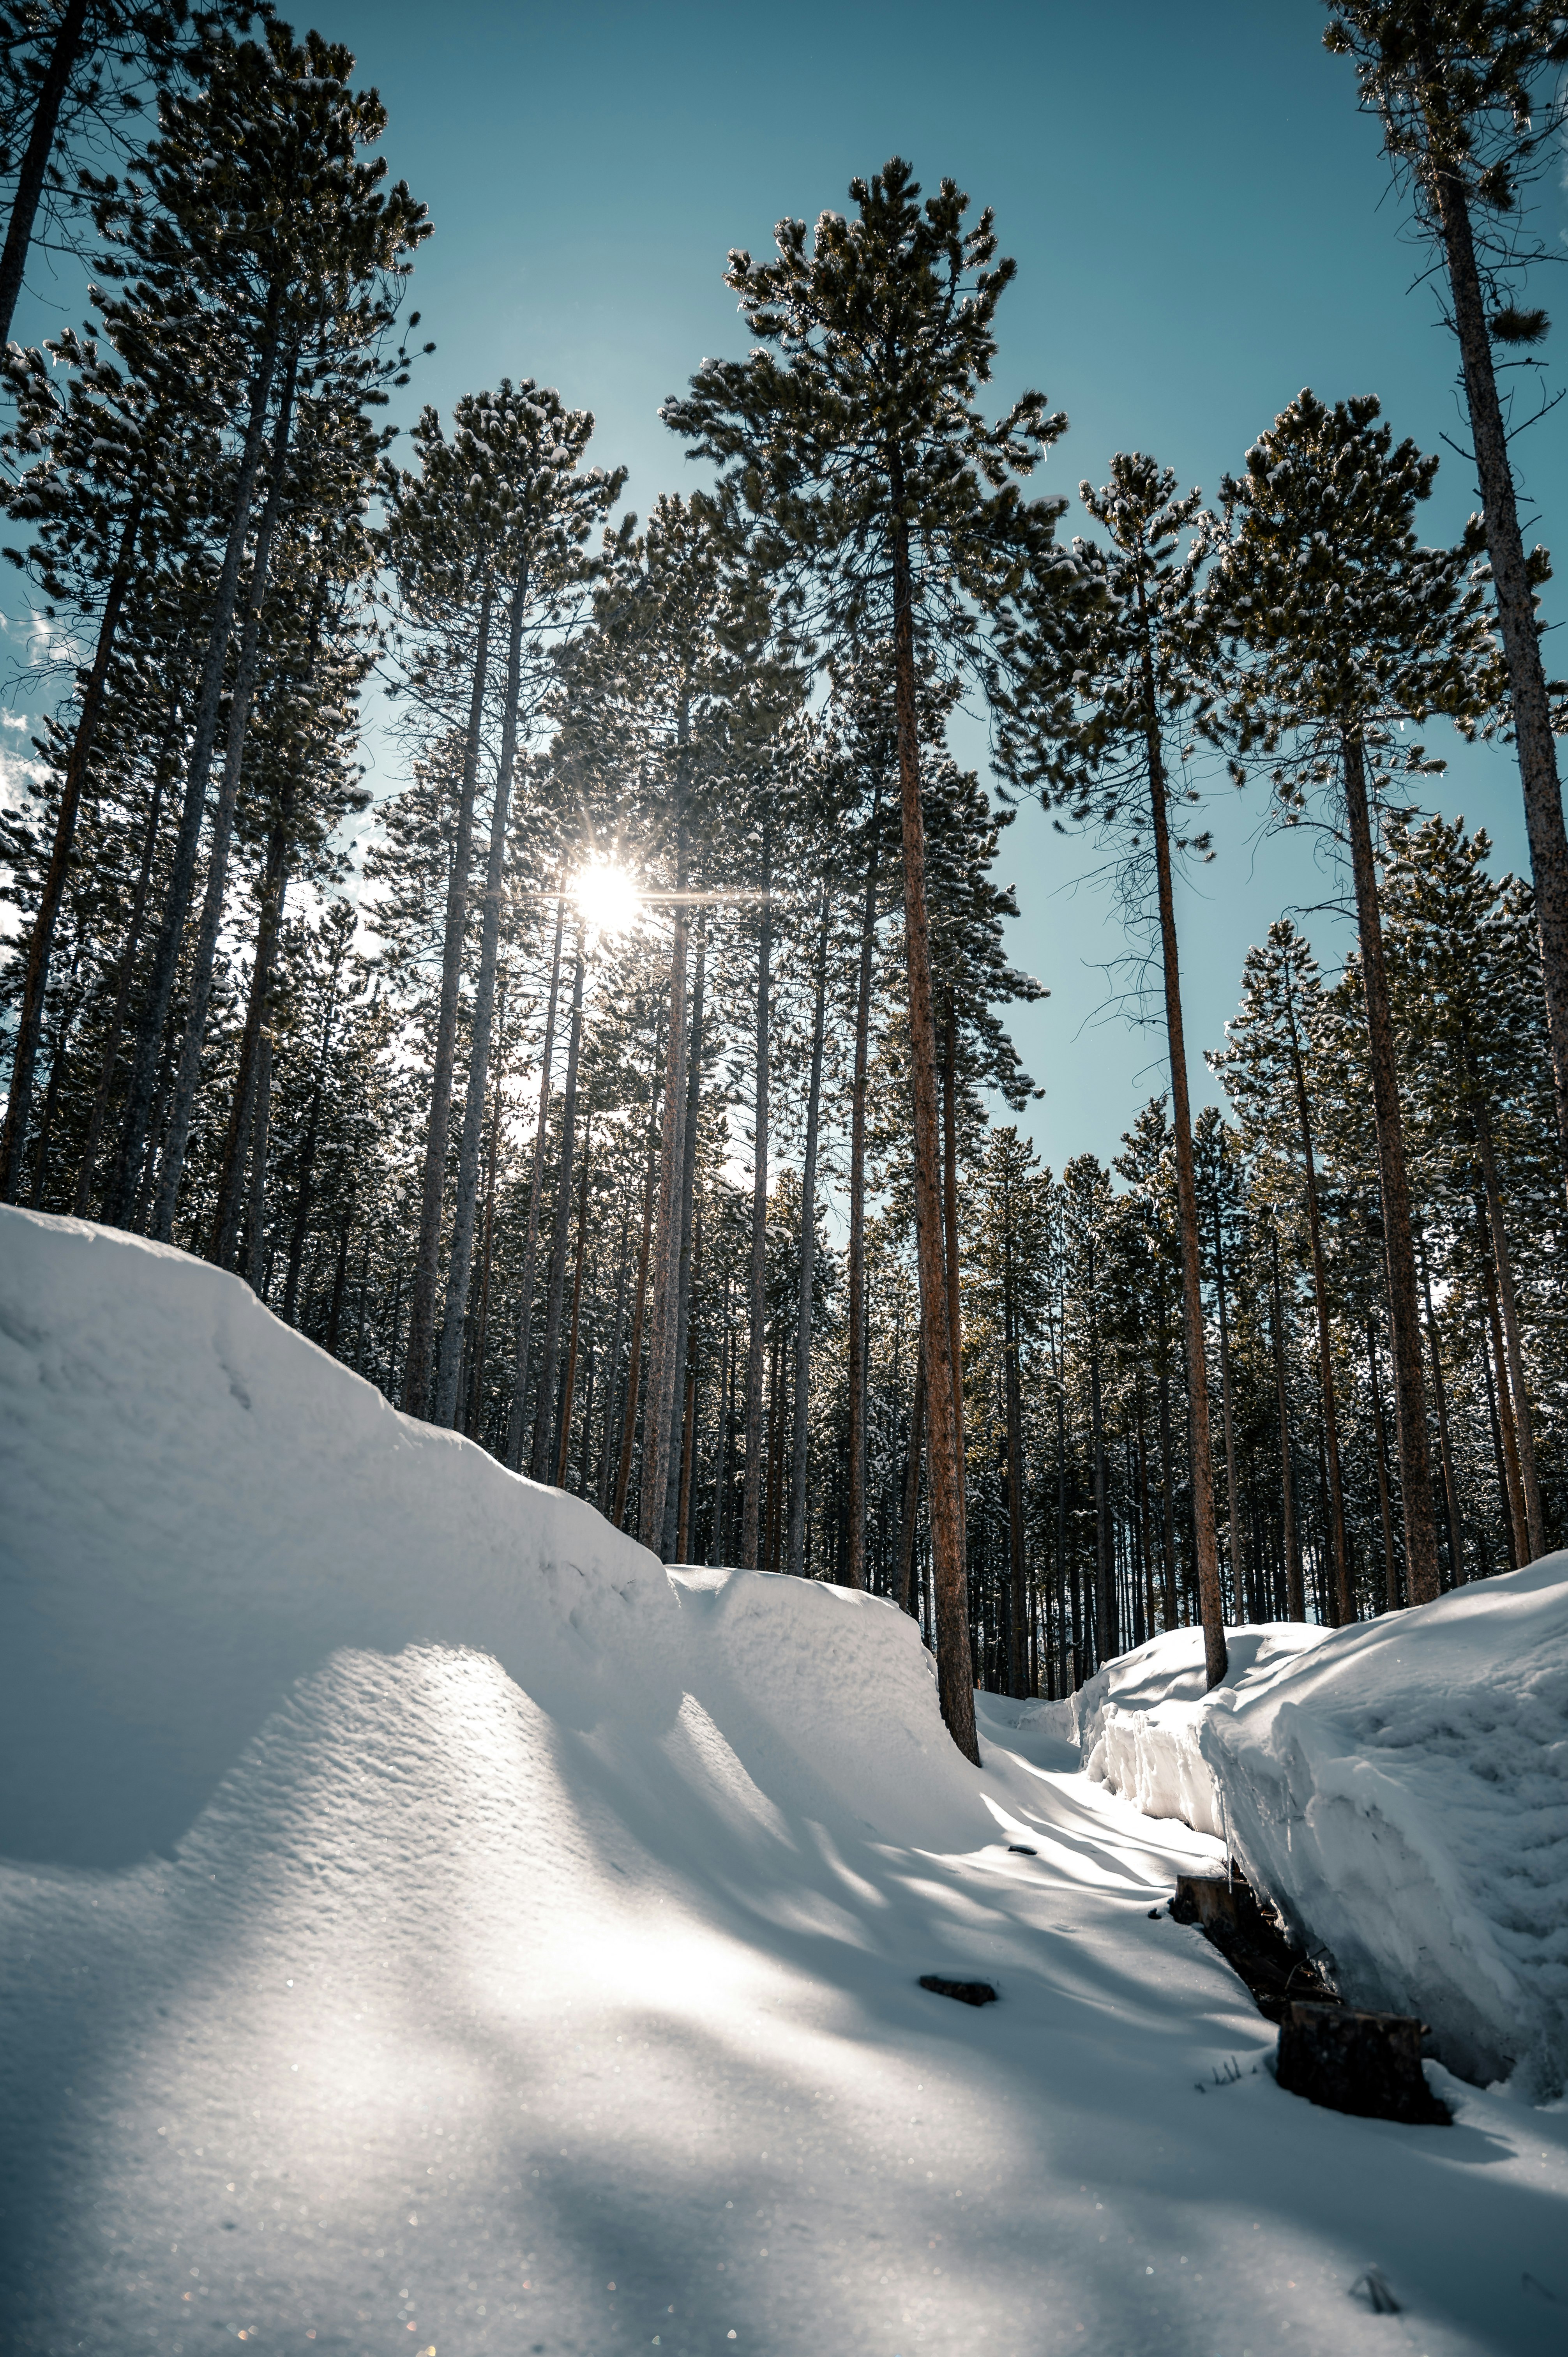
(432, 1925)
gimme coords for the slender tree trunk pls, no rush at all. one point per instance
(1295, 1593)
(658, 1408)
(671, 1547)
(909, 1596)
(855, 1571)
(257, 1268)
(799, 1438)
(617, 1336)
(1513, 1485)
(1167, 1460)
(188, 1078)
(1380, 1452)
(1439, 1393)
(519, 1408)
(126, 1187)
(1404, 1316)
(1341, 1602)
(954, 1667)
(36, 160)
(1018, 1663)
(24, 1053)
(1535, 1521)
(751, 1505)
(1227, 1419)
(1515, 601)
(1104, 1564)
(481, 1330)
(689, 1416)
(421, 1343)
(950, 1241)
(122, 984)
(459, 1265)
(569, 1387)
(242, 1113)
(544, 1453)
(634, 1354)
(339, 1284)
(1210, 1602)
(57, 1062)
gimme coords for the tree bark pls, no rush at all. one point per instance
(25, 1050)
(1515, 601)
(954, 1667)
(1404, 1316)
(1381, 1451)
(671, 1548)
(544, 1453)
(1342, 1608)
(519, 1408)
(570, 1385)
(421, 1342)
(658, 1407)
(1018, 1663)
(1535, 1521)
(1295, 1594)
(35, 161)
(634, 1354)
(757, 1336)
(1210, 1602)
(187, 1078)
(909, 1596)
(855, 1569)
(1226, 1416)
(459, 1264)
(801, 1437)
(474, 1418)
(1439, 1393)
(125, 1185)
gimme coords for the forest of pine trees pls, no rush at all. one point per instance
(638, 1104)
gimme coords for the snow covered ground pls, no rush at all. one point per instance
(431, 1924)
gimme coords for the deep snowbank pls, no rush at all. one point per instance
(1399, 1788)
(432, 1923)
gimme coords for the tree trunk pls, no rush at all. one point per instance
(421, 1344)
(909, 1596)
(1295, 1594)
(544, 1453)
(242, 1113)
(188, 1078)
(1211, 1603)
(689, 1416)
(1535, 1521)
(1342, 1609)
(569, 1387)
(855, 1576)
(800, 1439)
(1227, 1419)
(1381, 1451)
(25, 1049)
(661, 1368)
(35, 161)
(123, 983)
(126, 1188)
(1104, 1565)
(949, 1243)
(1439, 1393)
(1167, 1460)
(475, 1416)
(955, 1668)
(1018, 1662)
(671, 1548)
(1404, 1316)
(1511, 590)
(634, 1355)
(617, 1336)
(1513, 1485)
(751, 1506)
(459, 1264)
(519, 1408)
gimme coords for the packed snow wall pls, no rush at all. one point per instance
(1400, 1789)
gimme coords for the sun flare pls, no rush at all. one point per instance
(607, 897)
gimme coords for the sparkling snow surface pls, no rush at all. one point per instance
(430, 1924)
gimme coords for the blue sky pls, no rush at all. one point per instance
(1201, 224)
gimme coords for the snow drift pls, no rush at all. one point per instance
(1400, 1789)
(429, 1923)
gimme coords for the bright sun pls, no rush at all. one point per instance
(607, 897)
